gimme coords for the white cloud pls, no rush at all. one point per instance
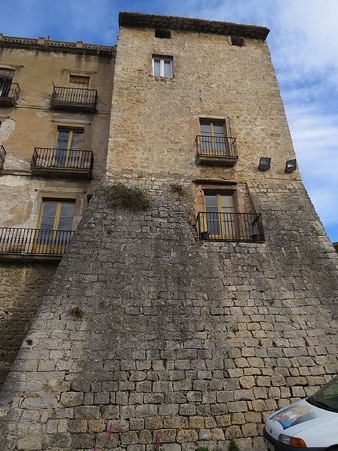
(315, 138)
(308, 35)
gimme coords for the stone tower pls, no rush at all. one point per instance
(199, 292)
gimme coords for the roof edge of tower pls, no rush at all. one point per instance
(139, 20)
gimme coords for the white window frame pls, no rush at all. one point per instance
(162, 60)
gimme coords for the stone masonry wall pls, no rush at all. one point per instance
(22, 287)
(148, 332)
(155, 120)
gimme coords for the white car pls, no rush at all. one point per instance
(311, 423)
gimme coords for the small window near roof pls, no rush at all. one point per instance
(79, 81)
(162, 34)
(162, 66)
(238, 41)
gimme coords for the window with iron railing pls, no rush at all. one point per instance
(221, 222)
(6, 78)
(34, 242)
(63, 161)
(51, 238)
(9, 91)
(215, 226)
(71, 98)
(67, 157)
(213, 145)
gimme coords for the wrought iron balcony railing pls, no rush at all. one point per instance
(78, 99)
(2, 156)
(216, 150)
(9, 94)
(34, 242)
(62, 162)
(247, 227)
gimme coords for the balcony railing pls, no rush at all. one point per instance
(75, 99)
(62, 162)
(34, 242)
(216, 150)
(9, 94)
(2, 156)
(247, 227)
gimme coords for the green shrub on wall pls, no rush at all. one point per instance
(119, 195)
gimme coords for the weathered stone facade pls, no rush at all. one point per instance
(148, 333)
(29, 71)
(38, 65)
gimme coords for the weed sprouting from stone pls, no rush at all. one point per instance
(77, 312)
(234, 328)
(177, 189)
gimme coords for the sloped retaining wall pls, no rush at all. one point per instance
(147, 334)
(22, 287)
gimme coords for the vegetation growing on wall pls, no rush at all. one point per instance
(77, 312)
(176, 188)
(119, 195)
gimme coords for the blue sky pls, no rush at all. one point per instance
(303, 44)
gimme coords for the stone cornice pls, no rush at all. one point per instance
(138, 20)
(47, 45)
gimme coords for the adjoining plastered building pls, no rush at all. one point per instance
(55, 102)
(199, 292)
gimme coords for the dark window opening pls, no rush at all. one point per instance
(6, 78)
(162, 34)
(238, 41)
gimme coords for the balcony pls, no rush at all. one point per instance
(246, 227)
(55, 162)
(9, 95)
(74, 99)
(216, 150)
(2, 156)
(33, 243)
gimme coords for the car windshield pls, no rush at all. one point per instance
(327, 396)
